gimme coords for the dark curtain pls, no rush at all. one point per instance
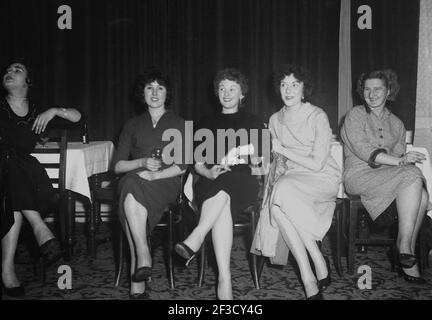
(392, 43)
(92, 66)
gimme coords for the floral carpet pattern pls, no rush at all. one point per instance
(93, 278)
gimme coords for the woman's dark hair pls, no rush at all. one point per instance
(388, 77)
(148, 77)
(30, 72)
(233, 75)
(298, 72)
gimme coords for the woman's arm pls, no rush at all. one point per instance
(212, 173)
(169, 172)
(124, 166)
(317, 159)
(42, 120)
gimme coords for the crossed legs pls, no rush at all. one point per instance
(216, 216)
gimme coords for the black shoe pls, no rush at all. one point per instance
(142, 274)
(185, 252)
(14, 292)
(139, 296)
(324, 283)
(317, 296)
(411, 279)
(50, 251)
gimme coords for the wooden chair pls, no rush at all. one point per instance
(53, 158)
(107, 194)
(246, 220)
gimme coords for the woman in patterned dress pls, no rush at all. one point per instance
(378, 168)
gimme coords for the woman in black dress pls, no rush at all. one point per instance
(225, 187)
(149, 184)
(27, 185)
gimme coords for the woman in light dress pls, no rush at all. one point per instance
(300, 195)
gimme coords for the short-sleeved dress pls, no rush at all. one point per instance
(307, 197)
(239, 183)
(27, 183)
(137, 140)
(363, 133)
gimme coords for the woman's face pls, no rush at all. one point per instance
(155, 95)
(375, 93)
(15, 76)
(291, 91)
(230, 95)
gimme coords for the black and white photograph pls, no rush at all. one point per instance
(192, 151)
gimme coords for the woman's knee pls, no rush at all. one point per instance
(130, 204)
(221, 197)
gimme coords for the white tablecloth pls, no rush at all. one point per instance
(83, 160)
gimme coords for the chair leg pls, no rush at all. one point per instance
(95, 208)
(120, 255)
(170, 248)
(339, 231)
(70, 225)
(202, 264)
(353, 214)
(254, 257)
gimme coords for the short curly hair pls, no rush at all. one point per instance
(388, 77)
(233, 75)
(298, 72)
(149, 76)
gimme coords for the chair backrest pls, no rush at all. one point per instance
(52, 156)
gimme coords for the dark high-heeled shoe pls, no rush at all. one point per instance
(317, 296)
(411, 279)
(324, 283)
(14, 292)
(50, 251)
(139, 296)
(142, 274)
(185, 252)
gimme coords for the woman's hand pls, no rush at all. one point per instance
(148, 175)
(412, 157)
(216, 171)
(152, 164)
(42, 120)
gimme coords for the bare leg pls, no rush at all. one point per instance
(9, 244)
(40, 229)
(135, 287)
(420, 217)
(222, 235)
(210, 212)
(411, 205)
(136, 216)
(297, 247)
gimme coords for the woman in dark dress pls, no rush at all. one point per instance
(225, 187)
(29, 191)
(149, 184)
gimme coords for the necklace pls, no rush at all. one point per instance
(156, 117)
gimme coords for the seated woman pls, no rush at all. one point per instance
(224, 188)
(378, 168)
(149, 184)
(28, 186)
(300, 200)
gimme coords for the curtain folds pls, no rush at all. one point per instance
(93, 66)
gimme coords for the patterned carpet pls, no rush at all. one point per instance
(94, 278)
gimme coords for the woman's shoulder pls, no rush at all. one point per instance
(251, 118)
(316, 113)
